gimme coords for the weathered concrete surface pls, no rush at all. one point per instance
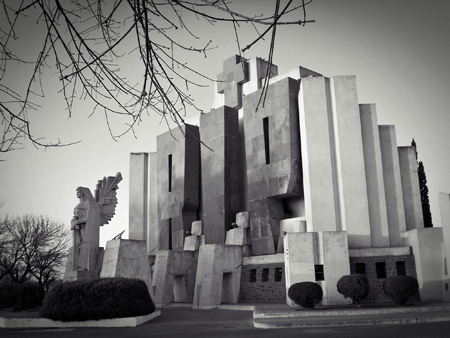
(272, 145)
(129, 259)
(218, 275)
(138, 196)
(426, 244)
(410, 187)
(444, 203)
(392, 185)
(178, 186)
(152, 235)
(222, 188)
(379, 229)
(235, 73)
(174, 276)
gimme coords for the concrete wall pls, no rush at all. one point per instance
(174, 276)
(318, 157)
(273, 160)
(379, 229)
(152, 233)
(410, 187)
(426, 244)
(138, 198)
(177, 208)
(222, 188)
(444, 202)
(218, 275)
(392, 185)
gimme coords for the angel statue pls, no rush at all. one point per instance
(89, 214)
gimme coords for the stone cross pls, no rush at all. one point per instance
(235, 73)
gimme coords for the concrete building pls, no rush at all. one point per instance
(298, 184)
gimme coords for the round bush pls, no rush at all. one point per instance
(400, 288)
(103, 298)
(306, 294)
(30, 295)
(8, 294)
(355, 287)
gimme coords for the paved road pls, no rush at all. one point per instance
(227, 323)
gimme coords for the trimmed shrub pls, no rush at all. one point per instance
(306, 294)
(102, 298)
(355, 287)
(30, 296)
(24, 296)
(8, 294)
(400, 288)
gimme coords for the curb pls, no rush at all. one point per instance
(260, 324)
(15, 323)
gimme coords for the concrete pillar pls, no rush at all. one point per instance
(152, 233)
(392, 185)
(318, 157)
(379, 229)
(410, 187)
(222, 189)
(336, 261)
(350, 161)
(218, 275)
(138, 198)
(299, 251)
(426, 244)
(444, 202)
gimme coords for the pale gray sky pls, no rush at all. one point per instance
(398, 50)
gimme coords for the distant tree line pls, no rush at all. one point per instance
(32, 248)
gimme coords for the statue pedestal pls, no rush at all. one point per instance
(71, 275)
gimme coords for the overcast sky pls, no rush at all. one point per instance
(398, 50)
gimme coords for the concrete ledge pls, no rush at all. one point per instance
(264, 259)
(47, 323)
(376, 252)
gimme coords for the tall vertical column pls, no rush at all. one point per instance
(444, 203)
(317, 144)
(350, 161)
(152, 234)
(221, 171)
(138, 198)
(410, 187)
(178, 184)
(392, 185)
(379, 229)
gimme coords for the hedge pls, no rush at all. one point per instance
(306, 294)
(400, 288)
(23, 296)
(355, 287)
(102, 298)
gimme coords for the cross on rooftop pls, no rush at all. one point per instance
(235, 73)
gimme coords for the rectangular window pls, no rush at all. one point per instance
(446, 286)
(278, 274)
(266, 139)
(170, 173)
(381, 269)
(319, 272)
(252, 275)
(360, 268)
(170, 233)
(265, 275)
(401, 268)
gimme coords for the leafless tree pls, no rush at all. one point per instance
(32, 246)
(87, 41)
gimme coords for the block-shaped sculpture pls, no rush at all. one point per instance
(222, 188)
(392, 185)
(128, 259)
(174, 276)
(218, 275)
(444, 203)
(272, 145)
(235, 73)
(178, 184)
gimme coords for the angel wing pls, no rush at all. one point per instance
(105, 195)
